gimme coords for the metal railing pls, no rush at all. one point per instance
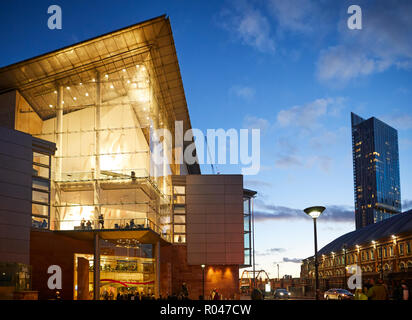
(110, 224)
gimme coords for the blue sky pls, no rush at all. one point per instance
(291, 68)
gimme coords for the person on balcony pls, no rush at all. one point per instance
(101, 221)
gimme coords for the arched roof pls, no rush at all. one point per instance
(398, 224)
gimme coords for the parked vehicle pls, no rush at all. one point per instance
(338, 294)
(281, 294)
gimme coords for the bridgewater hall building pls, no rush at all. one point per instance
(80, 194)
(380, 250)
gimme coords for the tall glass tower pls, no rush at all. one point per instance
(375, 170)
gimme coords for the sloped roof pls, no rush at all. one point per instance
(36, 78)
(115, 54)
(400, 223)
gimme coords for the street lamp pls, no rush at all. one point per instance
(203, 281)
(314, 213)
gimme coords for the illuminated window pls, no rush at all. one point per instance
(401, 248)
(41, 191)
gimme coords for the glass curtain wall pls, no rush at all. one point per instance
(103, 175)
(127, 268)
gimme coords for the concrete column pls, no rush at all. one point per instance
(59, 132)
(157, 283)
(96, 177)
(96, 267)
(59, 153)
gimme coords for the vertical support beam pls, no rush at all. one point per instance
(316, 261)
(157, 284)
(59, 132)
(59, 153)
(253, 240)
(96, 267)
(96, 189)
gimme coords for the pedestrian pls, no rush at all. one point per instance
(360, 294)
(405, 290)
(397, 291)
(101, 221)
(378, 291)
(185, 291)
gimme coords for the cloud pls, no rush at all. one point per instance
(306, 116)
(252, 122)
(288, 161)
(295, 15)
(333, 213)
(406, 205)
(324, 162)
(292, 260)
(341, 63)
(256, 183)
(242, 92)
(384, 42)
(249, 25)
(399, 122)
(270, 251)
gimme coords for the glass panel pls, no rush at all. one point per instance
(41, 184)
(40, 223)
(180, 228)
(247, 240)
(247, 260)
(180, 238)
(180, 219)
(39, 196)
(246, 205)
(41, 158)
(179, 190)
(41, 172)
(179, 199)
(38, 209)
(246, 223)
(180, 210)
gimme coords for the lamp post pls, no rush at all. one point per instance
(203, 281)
(344, 251)
(314, 213)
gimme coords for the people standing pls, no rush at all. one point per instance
(185, 291)
(378, 291)
(101, 221)
(405, 290)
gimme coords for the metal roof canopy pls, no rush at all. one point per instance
(399, 224)
(151, 40)
(116, 54)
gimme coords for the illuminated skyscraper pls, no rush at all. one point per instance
(376, 170)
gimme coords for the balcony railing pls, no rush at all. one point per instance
(110, 224)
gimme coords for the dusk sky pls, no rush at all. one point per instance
(291, 68)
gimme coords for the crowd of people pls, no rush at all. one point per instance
(379, 290)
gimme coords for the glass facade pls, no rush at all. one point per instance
(247, 231)
(126, 267)
(376, 170)
(41, 190)
(103, 175)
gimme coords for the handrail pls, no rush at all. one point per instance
(110, 224)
